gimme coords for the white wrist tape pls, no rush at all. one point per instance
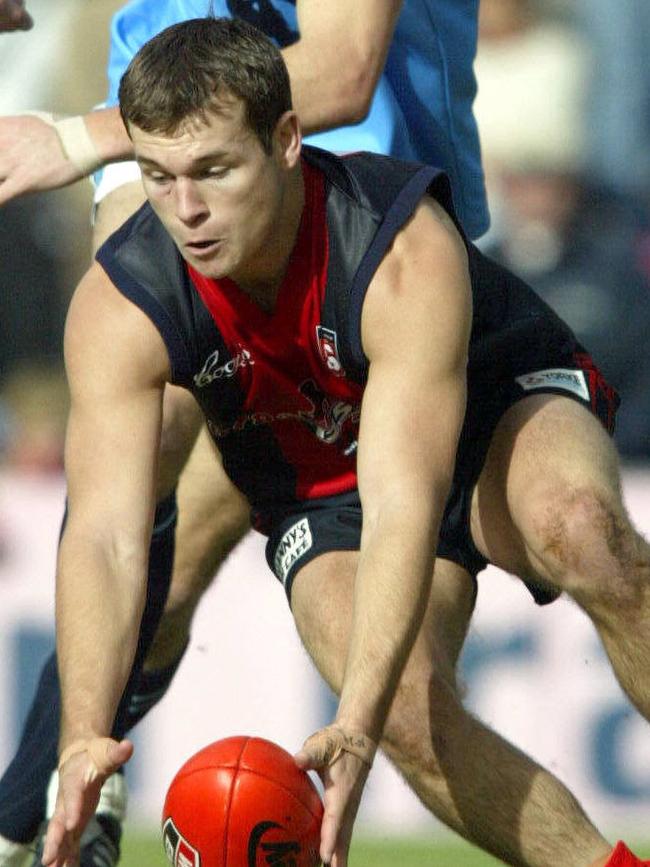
(76, 143)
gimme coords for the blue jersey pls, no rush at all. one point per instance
(422, 107)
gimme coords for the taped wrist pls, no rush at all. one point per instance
(76, 143)
(328, 744)
(97, 749)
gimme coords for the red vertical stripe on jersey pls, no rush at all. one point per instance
(288, 385)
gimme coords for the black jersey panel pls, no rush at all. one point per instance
(179, 357)
(144, 263)
(241, 451)
(509, 320)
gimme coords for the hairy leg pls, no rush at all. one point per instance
(548, 506)
(468, 776)
(212, 518)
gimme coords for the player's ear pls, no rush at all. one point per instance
(287, 139)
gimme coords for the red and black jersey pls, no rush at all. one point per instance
(281, 392)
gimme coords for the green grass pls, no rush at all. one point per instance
(145, 850)
(140, 850)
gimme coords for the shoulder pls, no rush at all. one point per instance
(104, 329)
(429, 242)
(422, 286)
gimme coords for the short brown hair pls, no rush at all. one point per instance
(189, 68)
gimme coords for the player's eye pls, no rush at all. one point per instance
(157, 177)
(214, 173)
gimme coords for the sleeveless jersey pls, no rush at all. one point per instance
(281, 392)
(422, 107)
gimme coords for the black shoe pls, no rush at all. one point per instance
(100, 843)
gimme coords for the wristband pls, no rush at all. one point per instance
(329, 743)
(76, 142)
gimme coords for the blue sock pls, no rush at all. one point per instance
(23, 786)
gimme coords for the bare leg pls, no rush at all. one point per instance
(212, 518)
(467, 775)
(548, 506)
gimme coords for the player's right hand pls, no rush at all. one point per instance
(31, 157)
(14, 16)
(81, 777)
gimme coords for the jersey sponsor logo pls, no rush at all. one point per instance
(327, 418)
(328, 349)
(331, 421)
(556, 377)
(292, 546)
(212, 370)
(179, 852)
(280, 854)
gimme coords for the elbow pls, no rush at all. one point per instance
(356, 90)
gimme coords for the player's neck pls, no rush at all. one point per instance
(262, 282)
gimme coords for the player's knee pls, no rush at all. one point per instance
(589, 545)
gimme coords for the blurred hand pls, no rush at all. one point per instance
(14, 16)
(343, 762)
(81, 777)
(31, 157)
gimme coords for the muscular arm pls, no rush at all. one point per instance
(116, 364)
(415, 331)
(334, 68)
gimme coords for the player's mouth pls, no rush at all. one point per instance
(203, 249)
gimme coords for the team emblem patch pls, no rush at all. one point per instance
(293, 545)
(179, 852)
(328, 349)
(558, 377)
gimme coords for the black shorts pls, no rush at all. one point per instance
(315, 527)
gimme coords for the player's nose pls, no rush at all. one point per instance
(190, 206)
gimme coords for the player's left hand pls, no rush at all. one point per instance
(31, 157)
(14, 16)
(343, 761)
(81, 776)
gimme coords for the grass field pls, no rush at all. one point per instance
(146, 851)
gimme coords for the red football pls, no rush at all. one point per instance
(242, 802)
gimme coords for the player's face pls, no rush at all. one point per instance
(220, 196)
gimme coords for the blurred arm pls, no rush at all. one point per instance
(334, 68)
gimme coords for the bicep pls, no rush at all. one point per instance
(116, 365)
(415, 329)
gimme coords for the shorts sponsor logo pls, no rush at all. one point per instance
(212, 370)
(293, 545)
(557, 377)
(179, 852)
(328, 348)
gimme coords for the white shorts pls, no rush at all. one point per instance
(112, 176)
